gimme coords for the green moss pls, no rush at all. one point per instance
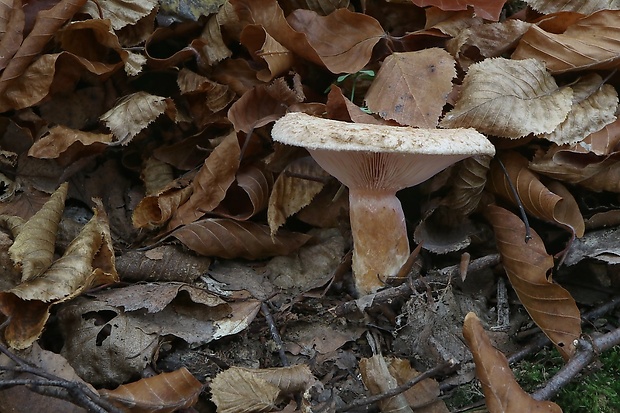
(597, 390)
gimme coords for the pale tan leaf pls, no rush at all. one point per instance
(591, 43)
(579, 6)
(594, 107)
(509, 98)
(229, 239)
(214, 48)
(120, 12)
(538, 199)
(33, 248)
(412, 88)
(61, 138)
(294, 189)
(424, 394)
(240, 389)
(133, 114)
(501, 391)
(87, 263)
(163, 393)
(551, 307)
(211, 183)
(377, 379)
(218, 96)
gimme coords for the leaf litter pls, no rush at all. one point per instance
(159, 246)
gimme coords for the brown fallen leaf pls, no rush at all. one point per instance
(412, 88)
(226, 238)
(551, 307)
(378, 379)
(163, 393)
(552, 203)
(583, 7)
(487, 9)
(248, 194)
(275, 58)
(591, 43)
(502, 393)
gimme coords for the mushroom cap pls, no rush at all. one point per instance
(300, 129)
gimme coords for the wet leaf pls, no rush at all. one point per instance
(551, 307)
(501, 391)
(510, 99)
(591, 43)
(556, 206)
(229, 239)
(163, 393)
(412, 88)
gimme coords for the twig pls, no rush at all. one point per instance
(528, 235)
(586, 352)
(275, 335)
(399, 389)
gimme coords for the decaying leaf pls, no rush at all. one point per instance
(163, 393)
(552, 203)
(33, 248)
(501, 391)
(378, 379)
(412, 88)
(509, 98)
(551, 307)
(241, 390)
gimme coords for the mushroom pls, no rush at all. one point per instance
(374, 162)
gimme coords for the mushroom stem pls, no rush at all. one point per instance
(380, 240)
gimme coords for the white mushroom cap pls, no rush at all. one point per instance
(300, 129)
(379, 156)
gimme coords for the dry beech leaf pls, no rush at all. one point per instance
(344, 40)
(33, 248)
(594, 107)
(509, 98)
(378, 380)
(487, 9)
(412, 88)
(12, 26)
(267, 51)
(58, 70)
(603, 142)
(155, 210)
(502, 393)
(338, 107)
(551, 307)
(121, 13)
(61, 138)
(538, 199)
(579, 6)
(294, 189)
(239, 390)
(210, 184)
(133, 114)
(468, 181)
(226, 238)
(218, 96)
(591, 43)
(248, 195)
(47, 23)
(163, 393)
(425, 393)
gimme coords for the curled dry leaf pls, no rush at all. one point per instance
(155, 210)
(583, 7)
(551, 307)
(378, 380)
(13, 21)
(62, 139)
(557, 206)
(133, 114)
(502, 393)
(267, 51)
(239, 390)
(217, 96)
(210, 184)
(591, 43)
(156, 175)
(163, 393)
(468, 180)
(226, 238)
(248, 195)
(412, 88)
(294, 189)
(338, 107)
(33, 248)
(509, 98)
(594, 107)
